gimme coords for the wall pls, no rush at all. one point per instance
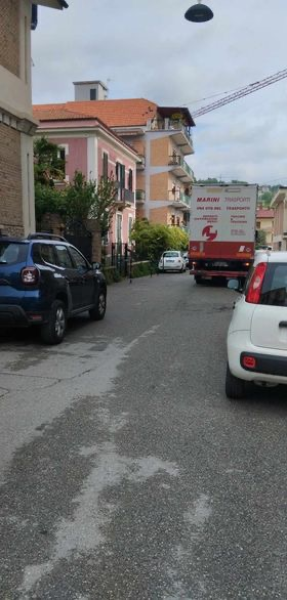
(76, 154)
(11, 214)
(15, 57)
(160, 152)
(16, 147)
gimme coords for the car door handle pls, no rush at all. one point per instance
(283, 324)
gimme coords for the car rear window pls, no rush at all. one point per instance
(12, 253)
(274, 289)
(171, 254)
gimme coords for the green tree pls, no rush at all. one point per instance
(91, 200)
(178, 238)
(48, 167)
(152, 239)
(260, 237)
(48, 164)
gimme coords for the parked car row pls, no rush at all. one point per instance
(44, 281)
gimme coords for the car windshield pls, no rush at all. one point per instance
(12, 252)
(171, 254)
(274, 289)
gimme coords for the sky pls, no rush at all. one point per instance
(147, 49)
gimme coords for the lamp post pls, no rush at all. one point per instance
(199, 13)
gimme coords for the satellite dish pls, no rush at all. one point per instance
(199, 13)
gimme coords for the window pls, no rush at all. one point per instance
(130, 180)
(63, 151)
(274, 289)
(130, 226)
(119, 228)
(105, 165)
(121, 174)
(93, 94)
(171, 254)
(63, 257)
(78, 259)
(44, 253)
(11, 253)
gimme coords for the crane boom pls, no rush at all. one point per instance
(249, 89)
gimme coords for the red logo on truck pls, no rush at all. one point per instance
(209, 233)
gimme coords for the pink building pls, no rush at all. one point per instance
(89, 146)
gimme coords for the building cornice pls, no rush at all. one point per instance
(21, 122)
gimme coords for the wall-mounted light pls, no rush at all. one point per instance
(199, 13)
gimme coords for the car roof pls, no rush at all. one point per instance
(4, 238)
(270, 256)
(35, 238)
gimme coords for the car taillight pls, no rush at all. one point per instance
(249, 362)
(30, 275)
(256, 282)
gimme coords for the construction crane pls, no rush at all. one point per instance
(245, 91)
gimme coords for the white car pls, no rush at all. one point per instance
(257, 334)
(172, 260)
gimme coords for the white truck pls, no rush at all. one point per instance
(222, 230)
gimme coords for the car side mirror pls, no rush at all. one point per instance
(97, 266)
(234, 284)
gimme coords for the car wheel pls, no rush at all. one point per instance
(53, 331)
(197, 279)
(98, 312)
(234, 387)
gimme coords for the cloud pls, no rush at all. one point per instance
(149, 50)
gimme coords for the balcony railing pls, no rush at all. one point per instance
(140, 195)
(125, 197)
(169, 125)
(141, 164)
(177, 161)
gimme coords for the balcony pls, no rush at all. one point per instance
(141, 164)
(140, 196)
(125, 197)
(180, 168)
(181, 134)
(179, 200)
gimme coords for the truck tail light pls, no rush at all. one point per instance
(255, 285)
(30, 275)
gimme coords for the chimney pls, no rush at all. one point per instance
(90, 90)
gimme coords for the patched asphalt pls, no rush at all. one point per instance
(125, 472)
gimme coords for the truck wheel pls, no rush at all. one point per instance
(53, 331)
(98, 312)
(234, 387)
(197, 279)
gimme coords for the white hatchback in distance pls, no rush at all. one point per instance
(257, 334)
(172, 260)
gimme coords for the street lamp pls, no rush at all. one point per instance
(199, 13)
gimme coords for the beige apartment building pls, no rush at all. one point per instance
(161, 136)
(17, 124)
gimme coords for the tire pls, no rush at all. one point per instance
(53, 332)
(98, 312)
(234, 387)
(197, 279)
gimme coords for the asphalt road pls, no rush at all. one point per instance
(125, 472)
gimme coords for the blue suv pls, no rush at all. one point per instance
(44, 280)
